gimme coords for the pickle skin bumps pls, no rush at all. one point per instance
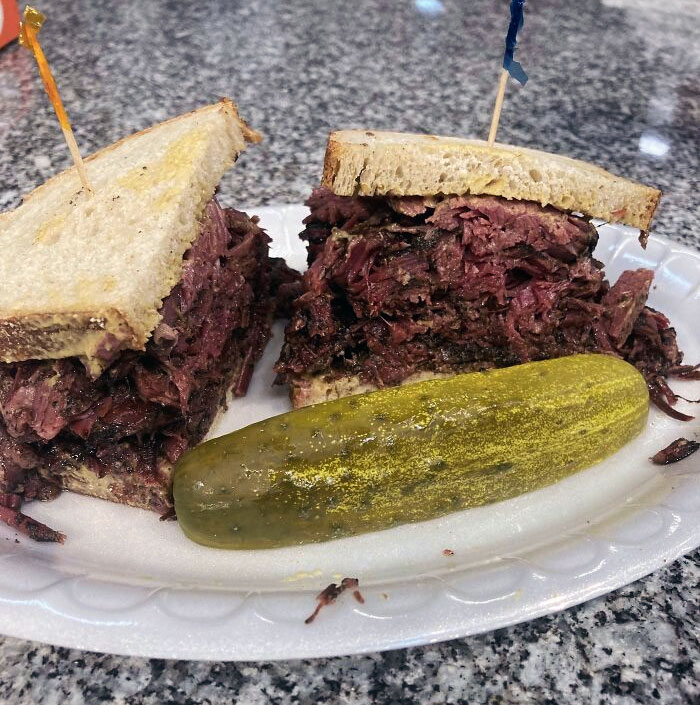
(406, 454)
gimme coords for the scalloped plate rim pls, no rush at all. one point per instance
(148, 630)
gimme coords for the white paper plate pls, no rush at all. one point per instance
(126, 583)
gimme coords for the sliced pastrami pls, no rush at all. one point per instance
(402, 285)
(147, 407)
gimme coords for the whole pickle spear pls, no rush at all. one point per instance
(407, 453)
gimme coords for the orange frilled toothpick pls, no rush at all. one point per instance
(32, 21)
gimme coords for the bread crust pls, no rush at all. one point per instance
(226, 105)
(375, 163)
(153, 494)
(152, 491)
(82, 334)
(305, 390)
(85, 327)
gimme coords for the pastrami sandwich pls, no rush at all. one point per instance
(126, 315)
(430, 256)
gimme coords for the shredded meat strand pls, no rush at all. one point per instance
(27, 526)
(403, 285)
(331, 593)
(149, 407)
(678, 450)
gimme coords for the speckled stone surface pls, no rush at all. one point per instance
(636, 645)
(611, 81)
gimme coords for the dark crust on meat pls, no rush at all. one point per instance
(402, 286)
(118, 436)
(674, 452)
(29, 527)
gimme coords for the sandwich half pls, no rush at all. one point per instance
(430, 256)
(126, 315)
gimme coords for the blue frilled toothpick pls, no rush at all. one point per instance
(510, 66)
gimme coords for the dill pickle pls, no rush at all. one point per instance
(407, 454)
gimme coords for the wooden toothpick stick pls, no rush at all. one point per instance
(31, 24)
(496, 117)
(510, 66)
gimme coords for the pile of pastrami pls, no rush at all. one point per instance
(399, 286)
(147, 407)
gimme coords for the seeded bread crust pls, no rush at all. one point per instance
(375, 163)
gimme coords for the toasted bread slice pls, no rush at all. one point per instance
(85, 274)
(374, 163)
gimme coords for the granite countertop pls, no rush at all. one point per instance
(611, 81)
